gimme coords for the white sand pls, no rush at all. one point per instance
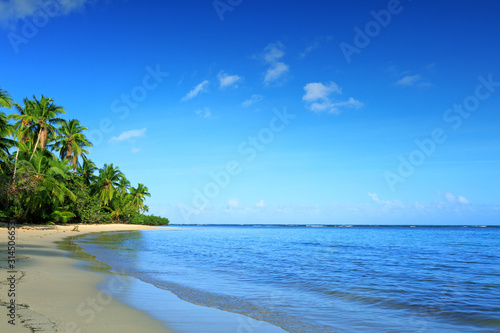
(54, 296)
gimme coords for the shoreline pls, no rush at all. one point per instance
(52, 294)
(166, 306)
(61, 288)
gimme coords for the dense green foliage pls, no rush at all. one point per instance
(46, 176)
(148, 219)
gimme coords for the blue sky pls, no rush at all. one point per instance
(330, 112)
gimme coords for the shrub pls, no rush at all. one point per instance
(148, 220)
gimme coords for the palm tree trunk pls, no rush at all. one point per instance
(43, 141)
(24, 139)
(25, 213)
(36, 145)
(69, 153)
(15, 164)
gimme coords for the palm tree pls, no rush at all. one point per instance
(86, 171)
(124, 186)
(120, 206)
(45, 114)
(138, 196)
(25, 125)
(72, 142)
(5, 100)
(48, 175)
(5, 143)
(24, 128)
(108, 182)
(5, 129)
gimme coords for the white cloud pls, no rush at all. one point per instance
(129, 135)
(252, 100)
(318, 98)
(456, 199)
(404, 78)
(309, 49)
(205, 113)
(260, 204)
(350, 103)
(374, 196)
(277, 69)
(315, 91)
(387, 204)
(450, 197)
(135, 150)
(233, 203)
(409, 80)
(226, 80)
(273, 52)
(13, 10)
(275, 72)
(315, 45)
(413, 80)
(202, 87)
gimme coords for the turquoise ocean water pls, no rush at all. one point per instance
(322, 279)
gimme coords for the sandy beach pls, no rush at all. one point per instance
(52, 295)
(59, 288)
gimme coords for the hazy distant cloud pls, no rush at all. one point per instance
(456, 199)
(374, 196)
(309, 49)
(392, 69)
(450, 197)
(13, 10)
(129, 135)
(273, 52)
(318, 98)
(226, 80)
(135, 150)
(277, 69)
(405, 78)
(233, 203)
(202, 87)
(431, 67)
(275, 72)
(375, 208)
(252, 100)
(463, 200)
(388, 204)
(314, 45)
(409, 80)
(205, 113)
(260, 204)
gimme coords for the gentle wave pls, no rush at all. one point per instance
(322, 278)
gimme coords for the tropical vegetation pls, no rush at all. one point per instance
(46, 175)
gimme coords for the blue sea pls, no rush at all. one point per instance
(321, 278)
